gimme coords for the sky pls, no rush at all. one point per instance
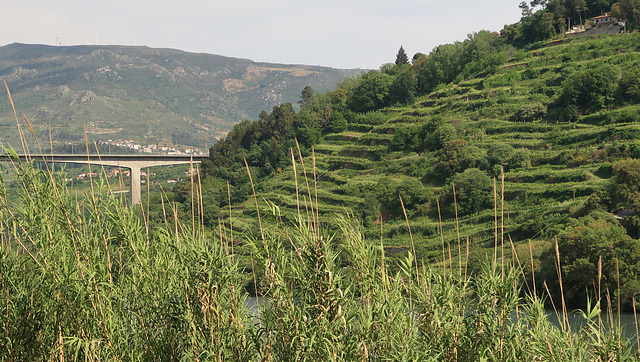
(334, 33)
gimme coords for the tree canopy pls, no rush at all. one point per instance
(586, 91)
(473, 191)
(587, 242)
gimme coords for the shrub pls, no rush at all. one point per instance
(444, 133)
(337, 123)
(473, 191)
(530, 112)
(586, 91)
(373, 118)
(500, 153)
(581, 245)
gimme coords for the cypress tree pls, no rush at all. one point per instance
(401, 57)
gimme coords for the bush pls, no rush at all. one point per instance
(500, 153)
(530, 112)
(337, 123)
(581, 245)
(586, 91)
(629, 87)
(473, 191)
(373, 118)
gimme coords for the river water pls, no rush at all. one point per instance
(627, 320)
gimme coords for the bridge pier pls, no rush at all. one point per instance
(135, 188)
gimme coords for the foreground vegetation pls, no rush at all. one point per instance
(89, 280)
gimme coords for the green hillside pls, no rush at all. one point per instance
(558, 117)
(160, 96)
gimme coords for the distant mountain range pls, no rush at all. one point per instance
(156, 96)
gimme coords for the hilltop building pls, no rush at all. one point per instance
(603, 19)
(603, 24)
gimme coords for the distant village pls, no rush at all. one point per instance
(164, 150)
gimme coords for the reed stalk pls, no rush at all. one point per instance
(455, 205)
(255, 197)
(502, 219)
(413, 245)
(444, 258)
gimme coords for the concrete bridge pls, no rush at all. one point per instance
(132, 162)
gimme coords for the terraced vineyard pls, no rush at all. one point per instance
(562, 162)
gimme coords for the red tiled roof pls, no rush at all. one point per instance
(602, 16)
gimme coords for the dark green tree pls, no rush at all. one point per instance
(371, 92)
(443, 133)
(581, 244)
(449, 158)
(629, 87)
(627, 192)
(404, 85)
(263, 143)
(305, 96)
(337, 123)
(389, 190)
(520, 159)
(214, 192)
(442, 65)
(418, 57)
(500, 153)
(586, 91)
(511, 33)
(627, 179)
(629, 10)
(401, 57)
(536, 3)
(405, 139)
(473, 191)
(478, 48)
(370, 209)
(457, 156)
(546, 26)
(525, 10)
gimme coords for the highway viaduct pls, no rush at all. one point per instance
(133, 162)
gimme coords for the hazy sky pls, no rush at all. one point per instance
(335, 33)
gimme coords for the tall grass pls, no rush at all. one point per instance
(86, 280)
(83, 279)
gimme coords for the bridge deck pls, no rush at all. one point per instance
(132, 162)
(112, 160)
